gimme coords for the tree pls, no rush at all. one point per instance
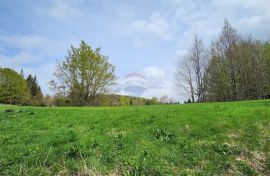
(48, 100)
(216, 81)
(35, 90)
(251, 77)
(124, 101)
(164, 99)
(153, 101)
(266, 54)
(223, 52)
(84, 75)
(191, 69)
(236, 70)
(22, 73)
(13, 87)
(33, 85)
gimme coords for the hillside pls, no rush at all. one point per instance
(205, 139)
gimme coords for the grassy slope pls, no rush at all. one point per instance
(211, 139)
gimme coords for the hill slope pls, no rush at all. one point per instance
(212, 138)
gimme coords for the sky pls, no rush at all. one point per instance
(143, 36)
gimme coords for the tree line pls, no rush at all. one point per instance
(234, 67)
(83, 78)
(109, 100)
(17, 89)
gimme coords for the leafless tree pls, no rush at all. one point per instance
(191, 69)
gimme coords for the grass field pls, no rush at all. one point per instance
(192, 139)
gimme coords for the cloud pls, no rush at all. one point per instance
(66, 10)
(129, 32)
(31, 64)
(155, 82)
(29, 43)
(19, 59)
(160, 82)
(34, 53)
(206, 17)
(155, 28)
(154, 72)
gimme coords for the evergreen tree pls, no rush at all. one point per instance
(22, 73)
(35, 90)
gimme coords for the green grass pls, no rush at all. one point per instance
(193, 139)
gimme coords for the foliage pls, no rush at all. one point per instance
(120, 100)
(164, 135)
(61, 101)
(84, 75)
(266, 55)
(48, 100)
(35, 90)
(13, 87)
(235, 68)
(191, 139)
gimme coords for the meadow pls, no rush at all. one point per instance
(191, 139)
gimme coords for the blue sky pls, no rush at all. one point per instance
(144, 36)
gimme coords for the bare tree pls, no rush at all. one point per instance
(191, 69)
(184, 77)
(164, 99)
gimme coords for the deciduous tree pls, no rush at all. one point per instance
(84, 75)
(191, 69)
(13, 87)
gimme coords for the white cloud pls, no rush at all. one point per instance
(32, 43)
(155, 81)
(31, 64)
(65, 10)
(160, 82)
(155, 28)
(18, 59)
(37, 44)
(154, 72)
(206, 17)
(35, 54)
